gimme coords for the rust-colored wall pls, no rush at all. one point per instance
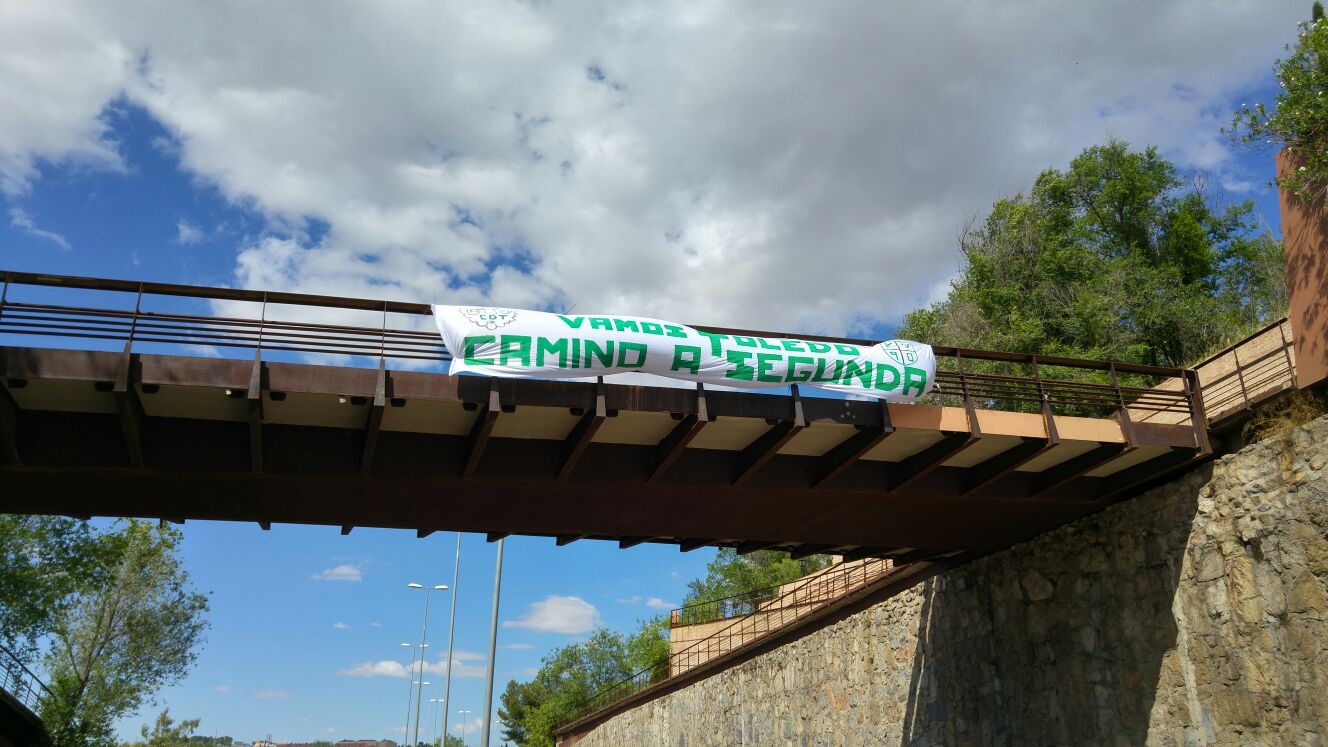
(1305, 242)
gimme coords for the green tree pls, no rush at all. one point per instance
(1116, 258)
(46, 562)
(571, 675)
(122, 642)
(1298, 119)
(165, 732)
(752, 578)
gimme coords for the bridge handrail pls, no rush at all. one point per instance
(20, 682)
(216, 293)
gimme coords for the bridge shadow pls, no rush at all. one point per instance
(1060, 640)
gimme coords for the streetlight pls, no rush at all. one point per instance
(433, 726)
(424, 634)
(410, 688)
(463, 725)
(451, 630)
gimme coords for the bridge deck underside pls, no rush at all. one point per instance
(95, 433)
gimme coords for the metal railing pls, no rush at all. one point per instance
(1240, 377)
(19, 681)
(807, 596)
(1006, 380)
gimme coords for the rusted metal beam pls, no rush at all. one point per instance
(485, 418)
(583, 433)
(266, 526)
(254, 396)
(914, 556)
(803, 551)
(626, 542)
(907, 471)
(1075, 467)
(130, 409)
(673, 445)
(859, 553)
(345, 529)
(1153, 470)
(563, 540)
(746, 548)
(833, 463)
(981, 475)
(375, 421)
(8, 428)
(760, 451)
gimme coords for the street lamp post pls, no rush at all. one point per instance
(463, 725)
(451, 629)
(433, 722)
(410, 687)
(424, 635)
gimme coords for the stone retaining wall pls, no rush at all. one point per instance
(1193, 614)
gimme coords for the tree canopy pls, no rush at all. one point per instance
(122, 641)
(1298, 117)
(1116, 258)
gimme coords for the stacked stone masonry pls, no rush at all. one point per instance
(1194, 614)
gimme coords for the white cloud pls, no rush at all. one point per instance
(518, 646)
(222, 689)
(331, 730)
(655, 603)
(465, 664)
(340, 626)
(271, 694)
(557, 614)
(375, 624)
(806, 167)
(187, 233)
(385, 668)
(634, 599)
(339, 573)
(471, 726)
(19, 218)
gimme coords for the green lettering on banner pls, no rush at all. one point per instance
(676, 331)
(863, 373)
(715, 348)
(688, 357)
(651, 328)
(914, 377)
(746, 342)
(793, 362)
(599, 322)
(764, 362)
(834, 377)
(605, 354)
(468, 346)
(818, 347)
(552, 347)
(576, 352)
(882, 370)
(740, 368)
(845, 349)
(768, 345)
(514, 346)
(793, 346)
(625, 325)
(573, 324)
(635, 347)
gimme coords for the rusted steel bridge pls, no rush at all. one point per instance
(127, 398)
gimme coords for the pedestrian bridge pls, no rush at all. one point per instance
(127, 398)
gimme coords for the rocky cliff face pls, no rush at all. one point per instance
(1196, 613)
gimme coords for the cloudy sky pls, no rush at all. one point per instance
(781, 165)
(784, 165)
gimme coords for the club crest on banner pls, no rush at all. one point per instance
(901, 351)
(489, 317)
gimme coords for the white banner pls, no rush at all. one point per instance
(535, 344)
